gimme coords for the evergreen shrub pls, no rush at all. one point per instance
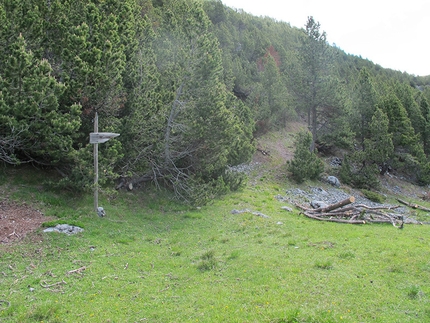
(373, 196)
(305, 164)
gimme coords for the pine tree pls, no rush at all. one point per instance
(30, 107)
(365, 102)
(274, 98)
(408, 149)
(93, 61)
(200, 128)
(379, 146)
(144, 120)
(399, 123)
(314, 83)
(91, 46)
(405, 94)
(425, 112)
(305, 164)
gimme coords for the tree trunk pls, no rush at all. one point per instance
(173, 114)
(314, 128)
(414, 206)
(347, 201)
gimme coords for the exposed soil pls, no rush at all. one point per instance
(277, 147)
(17, 220)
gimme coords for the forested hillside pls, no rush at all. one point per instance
(189, 84)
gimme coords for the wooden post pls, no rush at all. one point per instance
(97, 138)
(96, 165)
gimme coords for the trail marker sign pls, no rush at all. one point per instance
(97, 138)
(101, 137)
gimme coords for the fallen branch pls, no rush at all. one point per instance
(52, 285)
(377, 207)
(76, 270)
(14, 233)
(334, 220)
(264, 152)
(346, 214)
(414, 206)
(381, 221)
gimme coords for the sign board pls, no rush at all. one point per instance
(101, 137)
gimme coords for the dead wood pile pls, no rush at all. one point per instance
(343, 212)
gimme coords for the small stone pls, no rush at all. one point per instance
(287, 208)
(280, 223)
(240, 211)
(261, 214)
(336, 162)
(101, 212)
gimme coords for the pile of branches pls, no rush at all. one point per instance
(343, 212)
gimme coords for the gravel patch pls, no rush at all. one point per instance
(331, 195)
(245, 168)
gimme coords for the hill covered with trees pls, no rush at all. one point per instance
(189, 85)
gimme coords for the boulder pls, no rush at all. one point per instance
(318, 204)
(332, 180)
(64, 228)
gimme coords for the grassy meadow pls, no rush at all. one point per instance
(154, 260)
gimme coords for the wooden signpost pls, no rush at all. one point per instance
(97, 138)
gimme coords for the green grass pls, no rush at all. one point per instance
(152, 260)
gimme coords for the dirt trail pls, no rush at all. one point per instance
(17, 220)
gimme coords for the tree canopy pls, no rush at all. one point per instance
(189, 84)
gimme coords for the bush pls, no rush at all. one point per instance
(373, 196)
(305, 164)
(354, 173)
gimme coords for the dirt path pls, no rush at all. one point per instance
(17, 220)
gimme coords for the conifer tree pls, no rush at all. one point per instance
(379, 145)
(274, 99)
(364, 102)
(143, 120)
(305, 164)
(399, 123)
(199, 131)
(30, 107)
(405, 94)
(93, 61)
(408, 149)
(313, 84)
(425, 112)
(361, 167)
(314, 52)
